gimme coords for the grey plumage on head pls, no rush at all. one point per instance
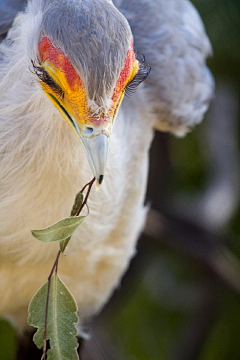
(8, 10)
(95, 37)
(169, 33)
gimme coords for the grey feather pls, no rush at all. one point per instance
(174, 41)
(8, 11)
(91, 46)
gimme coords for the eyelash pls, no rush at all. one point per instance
(142, 74)
(43, 75)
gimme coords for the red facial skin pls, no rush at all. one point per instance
(125, 75)
(75, 99)
(56, 57)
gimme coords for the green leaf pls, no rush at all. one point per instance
(61, 230)
(62, 320)
(75, 210)
(64, 244)
(77, 204)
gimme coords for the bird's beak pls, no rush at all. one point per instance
(96, 149)
(95, 137)
(66, 90)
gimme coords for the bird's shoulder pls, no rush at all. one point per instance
(175, 44)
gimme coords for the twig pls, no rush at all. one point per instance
(90, 184)
(55, 267)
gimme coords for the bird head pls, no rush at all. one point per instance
(85, 64)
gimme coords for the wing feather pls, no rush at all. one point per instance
(172, 37)
(8, 11)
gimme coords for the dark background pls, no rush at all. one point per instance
(181, 298)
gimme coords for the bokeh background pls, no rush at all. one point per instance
(180, 299)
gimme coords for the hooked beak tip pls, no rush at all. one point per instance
(97, 151)
(99, 182)
(100, 179)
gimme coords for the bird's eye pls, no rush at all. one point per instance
(44, 76)
(142, 74)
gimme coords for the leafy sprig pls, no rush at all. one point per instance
(53, 309)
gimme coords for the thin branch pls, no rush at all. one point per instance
(55, 267)
(90, 184)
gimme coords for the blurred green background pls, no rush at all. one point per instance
(176, 302)
(176, 306)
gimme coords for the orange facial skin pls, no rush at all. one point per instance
(74, 99)
(128, 72)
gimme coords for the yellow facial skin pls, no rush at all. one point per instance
(119, 90)
(69, 96)
(72, 98)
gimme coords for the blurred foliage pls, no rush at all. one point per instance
(223, 340)
(166, 304)
(187, 162)
(222, 22)
(153, 324)
(149, 323)
(7, 341)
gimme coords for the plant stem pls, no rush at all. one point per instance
(55, 267)
(90, 184)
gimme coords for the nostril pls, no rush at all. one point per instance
(88, 131)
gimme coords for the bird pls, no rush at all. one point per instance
(78, 100)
